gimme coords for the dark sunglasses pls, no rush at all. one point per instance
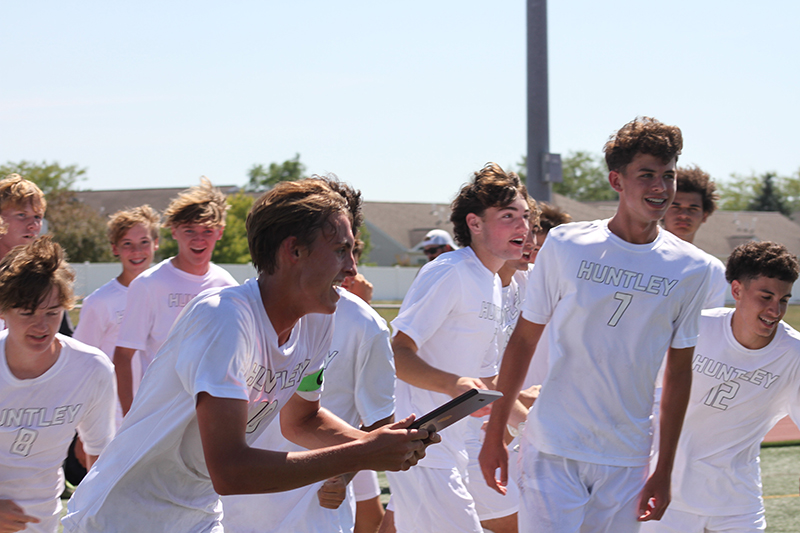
(433, 249)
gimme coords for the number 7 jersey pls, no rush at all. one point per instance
(613, 309)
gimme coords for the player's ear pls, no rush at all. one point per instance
(736, 289)
(615, 179)
(474, 222)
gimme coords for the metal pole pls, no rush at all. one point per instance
(538, 119)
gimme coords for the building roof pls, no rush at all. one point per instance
(110, 201)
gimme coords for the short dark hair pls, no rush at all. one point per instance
(642, 135)
(297, 209)
(693, 179)
(753, 259)
(491, 186)
(29, 272)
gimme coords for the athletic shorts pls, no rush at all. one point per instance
(675, 521)
(432, 499)
(561, 495)
(489, 503)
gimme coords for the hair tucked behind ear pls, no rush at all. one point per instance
(28, 273)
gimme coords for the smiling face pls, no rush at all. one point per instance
(760, 304)
(31, 332)
(23, 224)
(195, 246)
(646, 189)
(685, 215)
(528, 253)
(324, 264)
(135, 250)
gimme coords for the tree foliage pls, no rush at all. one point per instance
(77, 227)
(768, 192)
(52, 178)
(584, 177)
(262, 179)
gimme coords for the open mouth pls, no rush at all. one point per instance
(137, 261)
(768, 323)
(198, 250)
(656, 202)
(519, 241)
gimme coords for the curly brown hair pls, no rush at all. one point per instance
(28, 273)
(770, 259)
(693, 179)
(643, 135)
(298, 209)
(490, 187)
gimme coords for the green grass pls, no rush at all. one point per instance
(780, 475)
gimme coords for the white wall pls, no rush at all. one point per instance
(391, 283)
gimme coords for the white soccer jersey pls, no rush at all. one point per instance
(155, 299)
(101, 316)
(153, 476)
(38, 419)
(358, 387)
(452, 312)
(719, 287)
(738, 395)
(613, 309)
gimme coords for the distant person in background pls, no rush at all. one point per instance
(158, 295)
(133, 234)
(358, 284)
(695, 201)
(746, 378)
(435, 243)
(551, 216)
(50, 386)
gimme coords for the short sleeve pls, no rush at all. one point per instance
(139, 315)
(543, 290)
(98, 425)
(686, 328)
(375, 379)
(430, 299)
(313, 382)
(92, 325)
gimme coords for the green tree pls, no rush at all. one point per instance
(769, 197)
(232, 247)
(584, 177)
(735, 194)
(52, 178)
(262, 179)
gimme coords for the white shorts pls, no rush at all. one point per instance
(488, 502)
(432, 499)
(560, 495)
(365, 485)
(675, 521)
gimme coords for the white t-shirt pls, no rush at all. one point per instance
(613, 309)
(155, 299)
(358, 387)
(38, 419)
(452, 312)
(719, 287)
(153, 476)
(101, 316)
(738, 395)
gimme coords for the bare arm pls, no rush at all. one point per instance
(674, 399)
(122, 367)
(311, 426)
(236, 468)
(513, 370)
(413, 370)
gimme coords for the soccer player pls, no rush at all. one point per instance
(156, 297)
(551, 216)
(445, 343)
(746, 378)
(50, 386)
(695, 201)
(235, 359)
(133, 234)
(359, 388)
(617, 294)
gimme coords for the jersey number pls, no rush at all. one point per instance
(24, 442)
(723, 391)
(624, 301)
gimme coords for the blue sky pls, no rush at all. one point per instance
(402, 99)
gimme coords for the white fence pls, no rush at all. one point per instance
(391, 283)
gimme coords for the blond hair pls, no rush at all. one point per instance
(16, 191)
(201, 204)
(122, 221)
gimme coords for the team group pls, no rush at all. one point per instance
(250, 408)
